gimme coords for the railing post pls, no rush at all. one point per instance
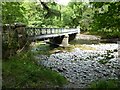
(46, 30)
(40, 31)
(50, 30)
(33, 31)
(61, 30)
(36, 31)
(54, 30)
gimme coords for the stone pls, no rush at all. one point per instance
(82, 66)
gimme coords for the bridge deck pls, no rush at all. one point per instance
(43, 33)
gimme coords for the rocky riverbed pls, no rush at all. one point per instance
(81, 67)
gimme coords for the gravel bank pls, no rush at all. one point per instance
(81, 67)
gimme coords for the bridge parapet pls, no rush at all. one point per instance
(32, 31)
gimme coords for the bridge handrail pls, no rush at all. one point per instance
(39, 31)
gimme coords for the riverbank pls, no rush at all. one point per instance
(82, 67)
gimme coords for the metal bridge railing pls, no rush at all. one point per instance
(32, 31)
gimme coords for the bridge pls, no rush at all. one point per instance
(60, 36)
(18, 37)
(20, 33)
(43, 33)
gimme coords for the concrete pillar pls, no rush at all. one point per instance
(65, 41)
(78, 34)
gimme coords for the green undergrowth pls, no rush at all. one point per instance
(105, 84)
(21, 71)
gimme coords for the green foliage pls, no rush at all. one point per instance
(96, 16)
(105, 84)
(106, 15)
(21, 71)
(12, 12)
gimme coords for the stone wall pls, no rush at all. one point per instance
(13, 39)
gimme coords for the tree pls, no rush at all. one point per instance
(13, 12)
(107, 15)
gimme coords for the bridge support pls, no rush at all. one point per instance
(78, 34)
(60, 41)
(65, 41)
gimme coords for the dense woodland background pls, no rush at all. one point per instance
(101, 17)
(20, 69)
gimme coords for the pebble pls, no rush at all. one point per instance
(81, 67)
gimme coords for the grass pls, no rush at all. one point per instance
(21, 71)
(105, 84)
